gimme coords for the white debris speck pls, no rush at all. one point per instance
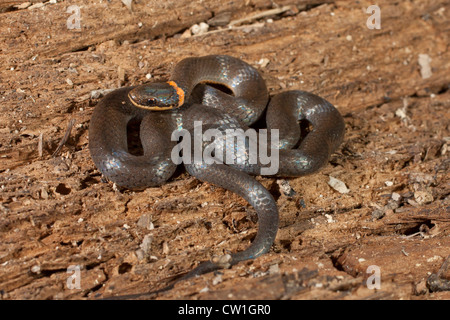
(148, 76)
(401, 113)
(128, 4)
(36, 269)
(349, 38)
(199, 29)
(425, 68)
(263, 62)
(217, 280)
(395, 196)
(389, 183)
(338, 185)
(329, 218)
(434, 258)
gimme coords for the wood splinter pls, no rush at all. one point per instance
(65, 138)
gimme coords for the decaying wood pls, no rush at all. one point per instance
(57, 212)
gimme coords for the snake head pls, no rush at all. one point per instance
(157, 96)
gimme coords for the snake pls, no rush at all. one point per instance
(221, 92)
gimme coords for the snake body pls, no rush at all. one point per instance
(192, 94)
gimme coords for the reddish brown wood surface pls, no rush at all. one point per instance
(56, 211)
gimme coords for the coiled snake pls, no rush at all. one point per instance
(192, 95)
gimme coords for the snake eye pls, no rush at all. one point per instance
(150, 101)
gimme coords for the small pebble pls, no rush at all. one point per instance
(329, 218)
(395, 196)
(199, 29)
(400, 112)
(338, 185)
(263, 62)
(425, 68)
(36, 269)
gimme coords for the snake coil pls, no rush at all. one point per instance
(192, 95)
